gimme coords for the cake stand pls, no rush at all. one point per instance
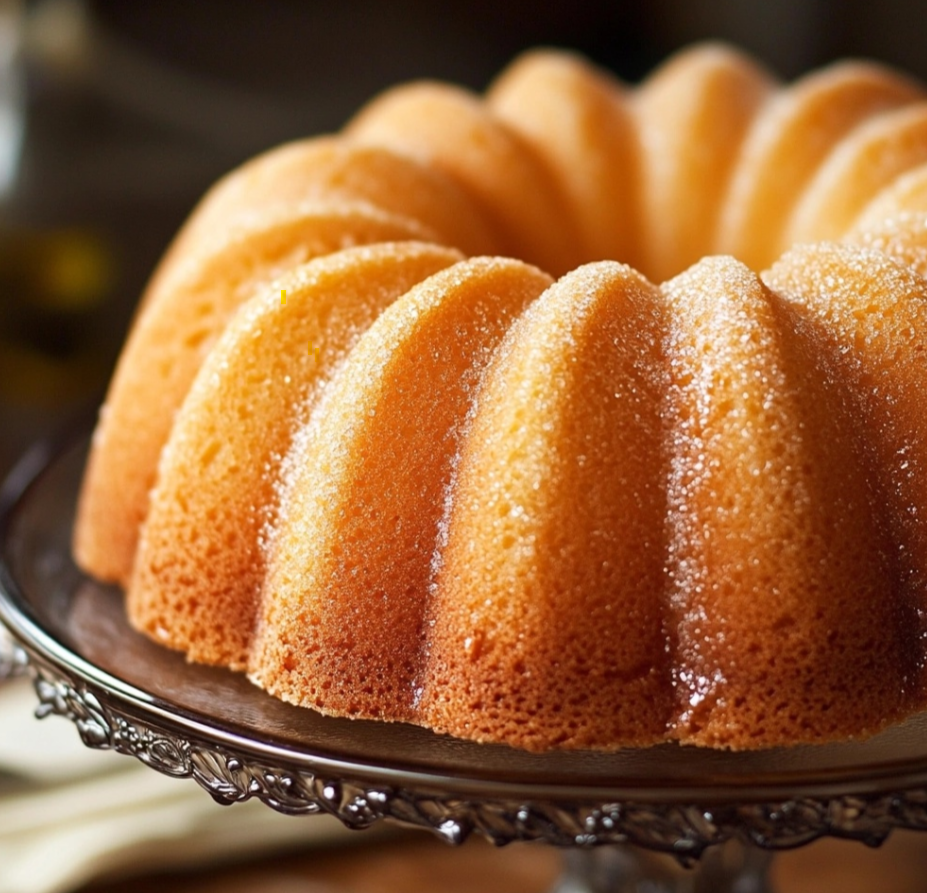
(719, 812)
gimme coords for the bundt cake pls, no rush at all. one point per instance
(362, 446)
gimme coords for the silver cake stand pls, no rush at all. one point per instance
(721, 813)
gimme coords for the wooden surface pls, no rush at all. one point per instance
(414, 863)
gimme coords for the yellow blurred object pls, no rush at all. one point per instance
(54, 288)
(77, 270)
(62, 269)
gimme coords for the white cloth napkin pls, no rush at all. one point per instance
(69, 814)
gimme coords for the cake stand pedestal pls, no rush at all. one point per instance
(618, 816)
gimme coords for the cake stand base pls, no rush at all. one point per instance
(731, 868)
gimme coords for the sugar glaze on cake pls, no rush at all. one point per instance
(615, 432)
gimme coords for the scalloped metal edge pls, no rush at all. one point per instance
(682, 830)
(13, 660)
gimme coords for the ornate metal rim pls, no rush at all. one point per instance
(684, 830)
(110, 714)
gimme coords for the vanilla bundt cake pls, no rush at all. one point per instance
(361, 445)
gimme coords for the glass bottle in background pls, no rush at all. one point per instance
(92, 186)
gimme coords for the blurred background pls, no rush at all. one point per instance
(116, 116)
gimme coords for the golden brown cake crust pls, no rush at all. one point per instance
(682, 500)
(218, 487)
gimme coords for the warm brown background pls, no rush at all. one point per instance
(132, 109)
(413, 863)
